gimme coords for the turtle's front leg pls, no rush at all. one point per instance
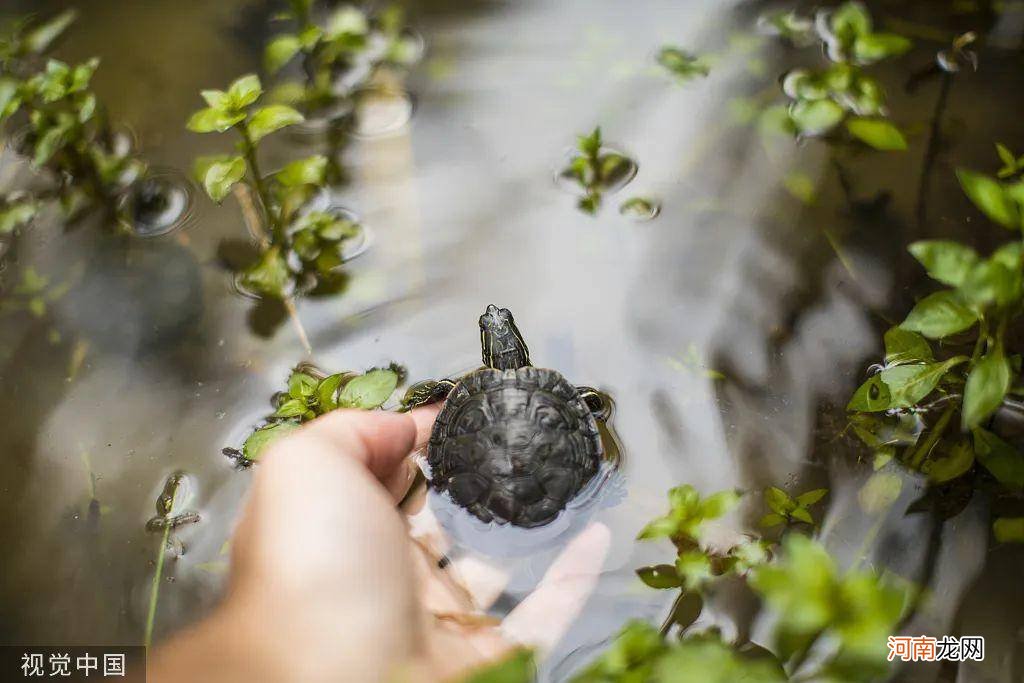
(427, 391)
(599, 404)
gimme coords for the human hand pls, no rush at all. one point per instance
(328, 584)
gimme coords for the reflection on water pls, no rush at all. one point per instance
(147, 366)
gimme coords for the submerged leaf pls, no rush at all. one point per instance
(878, 133)
(280, 50)
(1009, 529)
(1004, 461)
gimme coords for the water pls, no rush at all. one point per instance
(149, 364)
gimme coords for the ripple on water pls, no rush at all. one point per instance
(381, 111)
(157, 204)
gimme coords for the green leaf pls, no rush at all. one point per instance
(815, 117)
(590, 144)
(216, 99)
(908, 384)
(370, 390)
(309, 171)
(517, 667)
(327, 390)
(877, 46)
(1004, 461)
(991, 282)
(39, 39)
(244, 91)
(684, 65)
(879, 492)
(10, 97)
(695, 569)
(280, 51)
(872, 396)
(270, 276)
(878, 133)
(271, 118)
(221, 176)
(660, 576)
(301, 385)
(662, 527)
(799, 586)
(951, 465)
(212, 120)
(778, 500)
(718, 504)
(811, 497)
(293, 407)
(1009, 529)
(802, 514)
(903, 346)
(946, 261)
(771, 519)
(849, 21)
(987, 384)
(47, 145)
(17, 214)
(939, 315)
(260, 439)
(989, 196)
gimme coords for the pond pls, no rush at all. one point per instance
(730, 315)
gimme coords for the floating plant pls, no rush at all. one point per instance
(61, 128)
(934, 405)
(594, 170)
(683, 65)
(785, 509)
(841, 93)
(640, 209)
(312, 393)
(350, 61)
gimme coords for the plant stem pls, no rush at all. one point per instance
(931, 151)
(154, 592)
(670, 619)
(255, 226)
(918, 455)
(249, 149)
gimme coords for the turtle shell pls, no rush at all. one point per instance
(514, 445)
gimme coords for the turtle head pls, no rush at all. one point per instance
(501, 343)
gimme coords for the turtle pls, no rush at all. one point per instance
(513, 443)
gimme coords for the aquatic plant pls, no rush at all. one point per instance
(811, 600)
(339, 55)
(312, 393)
(299, 247)
(62, 129)
(841, 93)
(595, 169)
(947, 368)
(785, 509)
(171, 513)
(683, 65)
